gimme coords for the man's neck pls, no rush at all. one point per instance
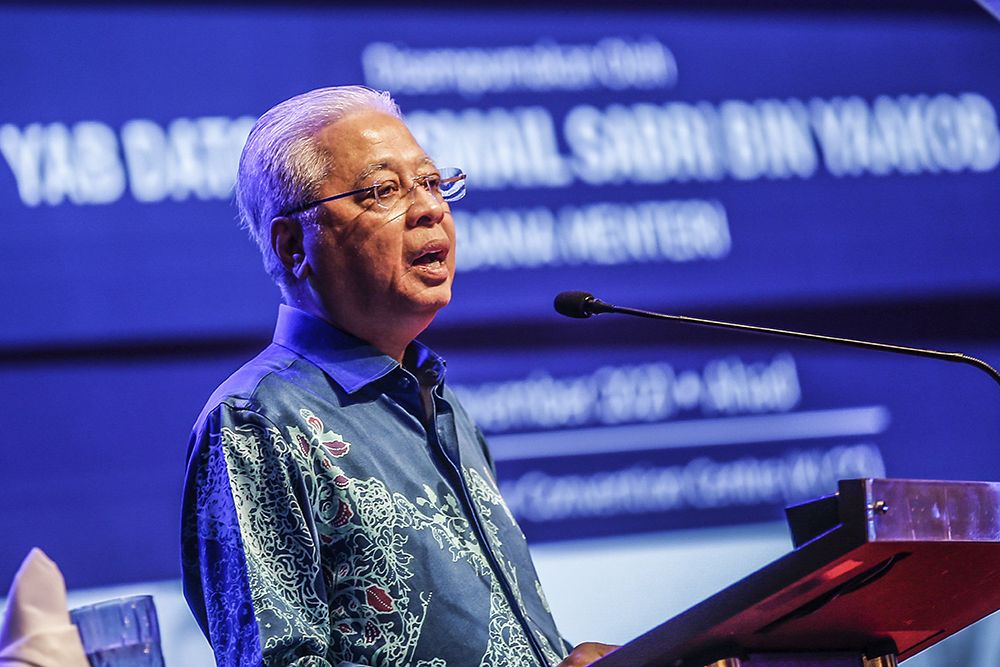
(390, 338)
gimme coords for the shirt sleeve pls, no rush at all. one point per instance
(251, 560)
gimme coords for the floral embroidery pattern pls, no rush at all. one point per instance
(371, 591)
(318, 437)
(507, 642)
(245, 519)
(328, 557)
(487, 497)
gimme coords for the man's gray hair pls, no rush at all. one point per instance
(283, 165)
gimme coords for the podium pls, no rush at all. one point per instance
(880, 571)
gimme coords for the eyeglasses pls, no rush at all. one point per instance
(448, 184)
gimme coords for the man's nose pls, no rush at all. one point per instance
(425, 207)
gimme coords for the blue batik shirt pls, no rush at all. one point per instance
(325, 524)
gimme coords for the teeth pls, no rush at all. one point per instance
(429, 258)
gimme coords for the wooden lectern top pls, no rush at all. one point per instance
(883, 566)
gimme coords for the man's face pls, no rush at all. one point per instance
(372, 267)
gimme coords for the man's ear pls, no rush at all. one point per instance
(288, 245)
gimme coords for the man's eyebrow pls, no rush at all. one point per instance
(361, 180)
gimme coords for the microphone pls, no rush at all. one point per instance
(580, 305)
(584, 304)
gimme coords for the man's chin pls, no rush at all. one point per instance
(432, 299)
(440, 302)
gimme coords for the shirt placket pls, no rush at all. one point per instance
(443, 438)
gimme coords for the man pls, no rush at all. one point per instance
(340, 506)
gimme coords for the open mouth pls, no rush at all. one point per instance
(431, 258)
(432, 255)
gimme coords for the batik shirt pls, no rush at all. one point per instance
(325, 524)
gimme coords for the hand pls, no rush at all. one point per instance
(586, 653)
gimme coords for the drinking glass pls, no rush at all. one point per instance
(123, 632)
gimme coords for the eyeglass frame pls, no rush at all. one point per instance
(460, 176)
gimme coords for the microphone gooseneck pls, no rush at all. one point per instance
(584, 304)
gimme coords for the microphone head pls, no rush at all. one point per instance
(575, 304)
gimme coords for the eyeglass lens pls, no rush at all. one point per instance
(448, 185)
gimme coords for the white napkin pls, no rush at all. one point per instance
(36, 630)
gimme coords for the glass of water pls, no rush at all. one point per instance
(123, 632)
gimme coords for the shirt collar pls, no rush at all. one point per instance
(350, 361)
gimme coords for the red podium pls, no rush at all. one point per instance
(880, 571)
